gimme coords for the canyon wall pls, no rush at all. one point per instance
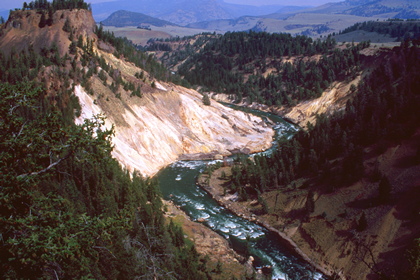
(154, 131)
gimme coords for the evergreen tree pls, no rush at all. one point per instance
(67, 26)
(43, 21)
(50, 16)
(310, 203)
(384, 190)
(206, 99)
(72, 48)
(362, 222)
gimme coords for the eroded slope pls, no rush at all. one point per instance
(172, 121)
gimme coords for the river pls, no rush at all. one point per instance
(178, 183)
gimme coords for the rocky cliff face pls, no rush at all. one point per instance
(331, 101)
(152, 131)
(169, 122)
(157, 129)
(22, 30)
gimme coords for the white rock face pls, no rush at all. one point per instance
(174, 123)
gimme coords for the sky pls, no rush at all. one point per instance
(283, 2)
(11, 4)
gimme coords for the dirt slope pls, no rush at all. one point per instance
(329, 237)
(151, 131)
(22, 30)
(154, 131)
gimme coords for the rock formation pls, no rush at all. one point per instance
(151, 131)
(155, 130)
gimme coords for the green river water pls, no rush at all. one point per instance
(178, 183)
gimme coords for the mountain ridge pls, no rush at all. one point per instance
(182, 129)
(405, 9)
(315, 22)
(122, 18)
(183, 12)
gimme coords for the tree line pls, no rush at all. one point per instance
(125, 48)
(237, 63)
(187, 46)
(56, 5)
(402, 30)
(331, 153)
(68, 210)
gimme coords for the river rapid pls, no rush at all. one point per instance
(178, 184)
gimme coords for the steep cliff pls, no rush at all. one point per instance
(22, 30)
(64, 174)
(152, 129)
(332, 100)
(155, 130)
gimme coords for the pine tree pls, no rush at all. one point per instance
(72, 48)
(362, 223)
(310, 203)
(67, 26)
(384, 190)
(206, 99)
(50, 16)
(43, 20)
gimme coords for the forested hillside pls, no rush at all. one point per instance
(67, 208)
(272, 69)
(331, 152)
(399, 29)
(126, 18)
(332, 184)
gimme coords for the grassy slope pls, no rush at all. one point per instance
(141, 36)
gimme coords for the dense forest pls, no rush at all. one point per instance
(273, 69)
(184, 47)
(383, 110)
(399, 29)
(67, 208)
(330, 155)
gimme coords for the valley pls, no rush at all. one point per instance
(142, 36)
(109, 155)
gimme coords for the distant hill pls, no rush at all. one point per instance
(404, 9)
(183, 12)
(125, 18)
(399, 29)
(218, 16)
(322, 20)
(310, 24)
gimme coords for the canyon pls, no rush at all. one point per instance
(169, 122)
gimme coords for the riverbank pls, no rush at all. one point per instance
(331, 236)
(214, 186)
(213, 248)
(333, 99)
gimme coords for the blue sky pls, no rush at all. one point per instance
(283, 2)
(11, 4)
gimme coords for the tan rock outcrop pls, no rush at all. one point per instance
(153, 131)
(22, 30)
(331, 101)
